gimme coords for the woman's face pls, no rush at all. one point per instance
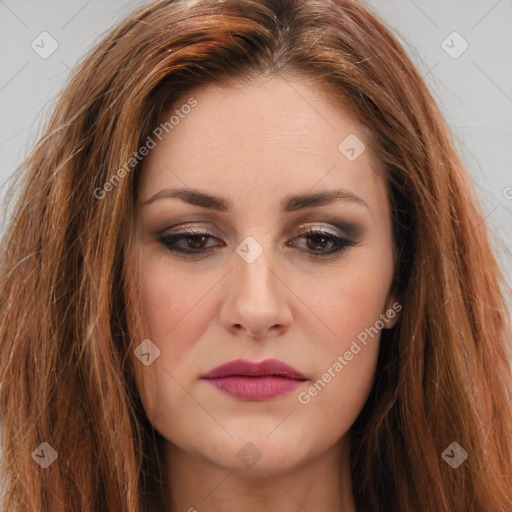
(255, 284)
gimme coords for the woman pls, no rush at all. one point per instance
(246, 269)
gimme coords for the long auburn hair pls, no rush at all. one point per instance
(66, 379)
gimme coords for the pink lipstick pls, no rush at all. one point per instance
(247, 380)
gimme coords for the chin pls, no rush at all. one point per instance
(258, 454)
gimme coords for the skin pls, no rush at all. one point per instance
(254, 145)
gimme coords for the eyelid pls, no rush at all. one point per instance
(178, 229)
(332, 230)
(347, 231)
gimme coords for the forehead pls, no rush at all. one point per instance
(271, 137)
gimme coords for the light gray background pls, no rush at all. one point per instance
(474, 91)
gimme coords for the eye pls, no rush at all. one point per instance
(317, 239)
(192, 242)
(195, 242)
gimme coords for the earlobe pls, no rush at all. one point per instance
(392, 313)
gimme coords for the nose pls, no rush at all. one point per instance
(256, 299)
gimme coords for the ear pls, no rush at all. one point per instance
(392, 313)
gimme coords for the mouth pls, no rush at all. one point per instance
(247, 380)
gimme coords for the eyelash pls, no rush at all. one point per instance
(169, 242)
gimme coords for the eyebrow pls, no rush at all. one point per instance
(290, 203)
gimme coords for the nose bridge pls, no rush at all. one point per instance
(254, 272)
(254, 297)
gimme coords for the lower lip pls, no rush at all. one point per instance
(255, 388)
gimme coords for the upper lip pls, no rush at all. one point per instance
(243, 367)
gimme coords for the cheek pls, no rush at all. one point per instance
(346, 339)
(332, 403)
(176, 314)
(347, 301)
(345, 362)
(173, 306)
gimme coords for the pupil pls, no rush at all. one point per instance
(318, 237)
(197, 240)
